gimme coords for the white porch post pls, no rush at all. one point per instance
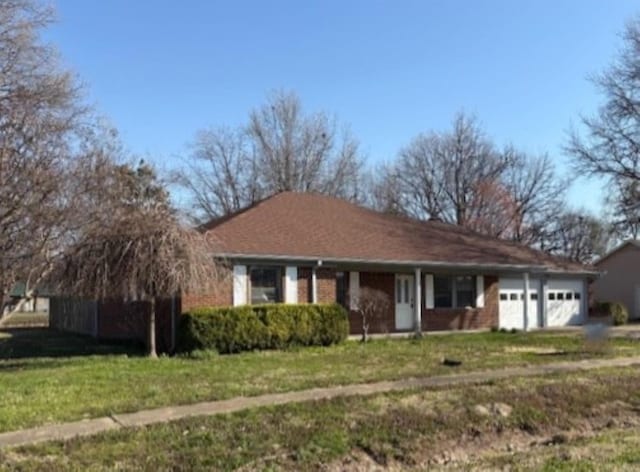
(544, 302)
(417, 302)
(314, 286)
(526, 301)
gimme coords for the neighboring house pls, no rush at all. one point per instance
(620, 277)
(18, 300)
(305, 248)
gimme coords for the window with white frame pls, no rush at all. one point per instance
(456, 291)
(266, 284)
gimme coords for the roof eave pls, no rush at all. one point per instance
(413, 263)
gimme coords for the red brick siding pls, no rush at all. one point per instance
(326, 285)
(384, 282)
(304, 284)
(438, 319)
(220, 295)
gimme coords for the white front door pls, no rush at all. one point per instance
(404, 302)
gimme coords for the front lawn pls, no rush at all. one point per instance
(568, 421)
(49, 377)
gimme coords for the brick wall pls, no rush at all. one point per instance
(326, 285)
(220, 295)
(304, 284)
(385, 282)
(438, 319)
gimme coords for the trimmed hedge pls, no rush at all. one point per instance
(275, 326)
(617, 311)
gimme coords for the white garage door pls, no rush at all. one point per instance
(564, 302)
(512, 303)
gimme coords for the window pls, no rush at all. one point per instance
(513, 296)
(576, 296)
(552, 296)
(265, 284)
(465, 291)
(454, 292)
(504, 297)
(560, 296)
(406, 290)
(534, 296)
(341, 288)
(398, 291)
(569, 296)
(442, 292)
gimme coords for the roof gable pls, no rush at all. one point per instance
(632, 244)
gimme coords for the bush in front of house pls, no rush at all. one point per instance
(617, 311)
(275, 326)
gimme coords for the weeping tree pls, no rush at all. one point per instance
(139, 250)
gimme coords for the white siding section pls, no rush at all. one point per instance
(291, 285)
(429, 291)
(480, 291)
(354, 289)
(239, 285)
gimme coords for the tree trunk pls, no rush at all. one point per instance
(152, 330)
(365, 329)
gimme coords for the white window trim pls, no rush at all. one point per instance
(291, 284)
(479, 291)
(429, 294)
(354, 289)
(239, 285)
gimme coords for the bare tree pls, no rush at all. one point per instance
(139, 250)
(281, 148)
(437, 175)
(577, 236)
(39, 129)
(611, 146)
(460, 177)
(623, 202)
(371, 305)
(537, 193)
(221, 175)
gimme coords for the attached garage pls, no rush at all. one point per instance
(564, 302)
(556, 303)
(511, 305)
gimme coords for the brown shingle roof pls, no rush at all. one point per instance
(305, 225)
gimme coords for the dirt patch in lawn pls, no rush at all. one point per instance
(534, 350)
(497, 434)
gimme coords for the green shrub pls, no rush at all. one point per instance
(276, 326)
(617, 311)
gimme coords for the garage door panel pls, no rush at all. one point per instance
(511, 303)
(564, 302)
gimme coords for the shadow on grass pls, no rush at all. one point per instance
(30, 343)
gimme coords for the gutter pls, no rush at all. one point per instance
(412, 263)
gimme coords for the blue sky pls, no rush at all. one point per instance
(161, 70)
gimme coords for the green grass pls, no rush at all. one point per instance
(48, 377)
(398, 430)
(19, 319)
